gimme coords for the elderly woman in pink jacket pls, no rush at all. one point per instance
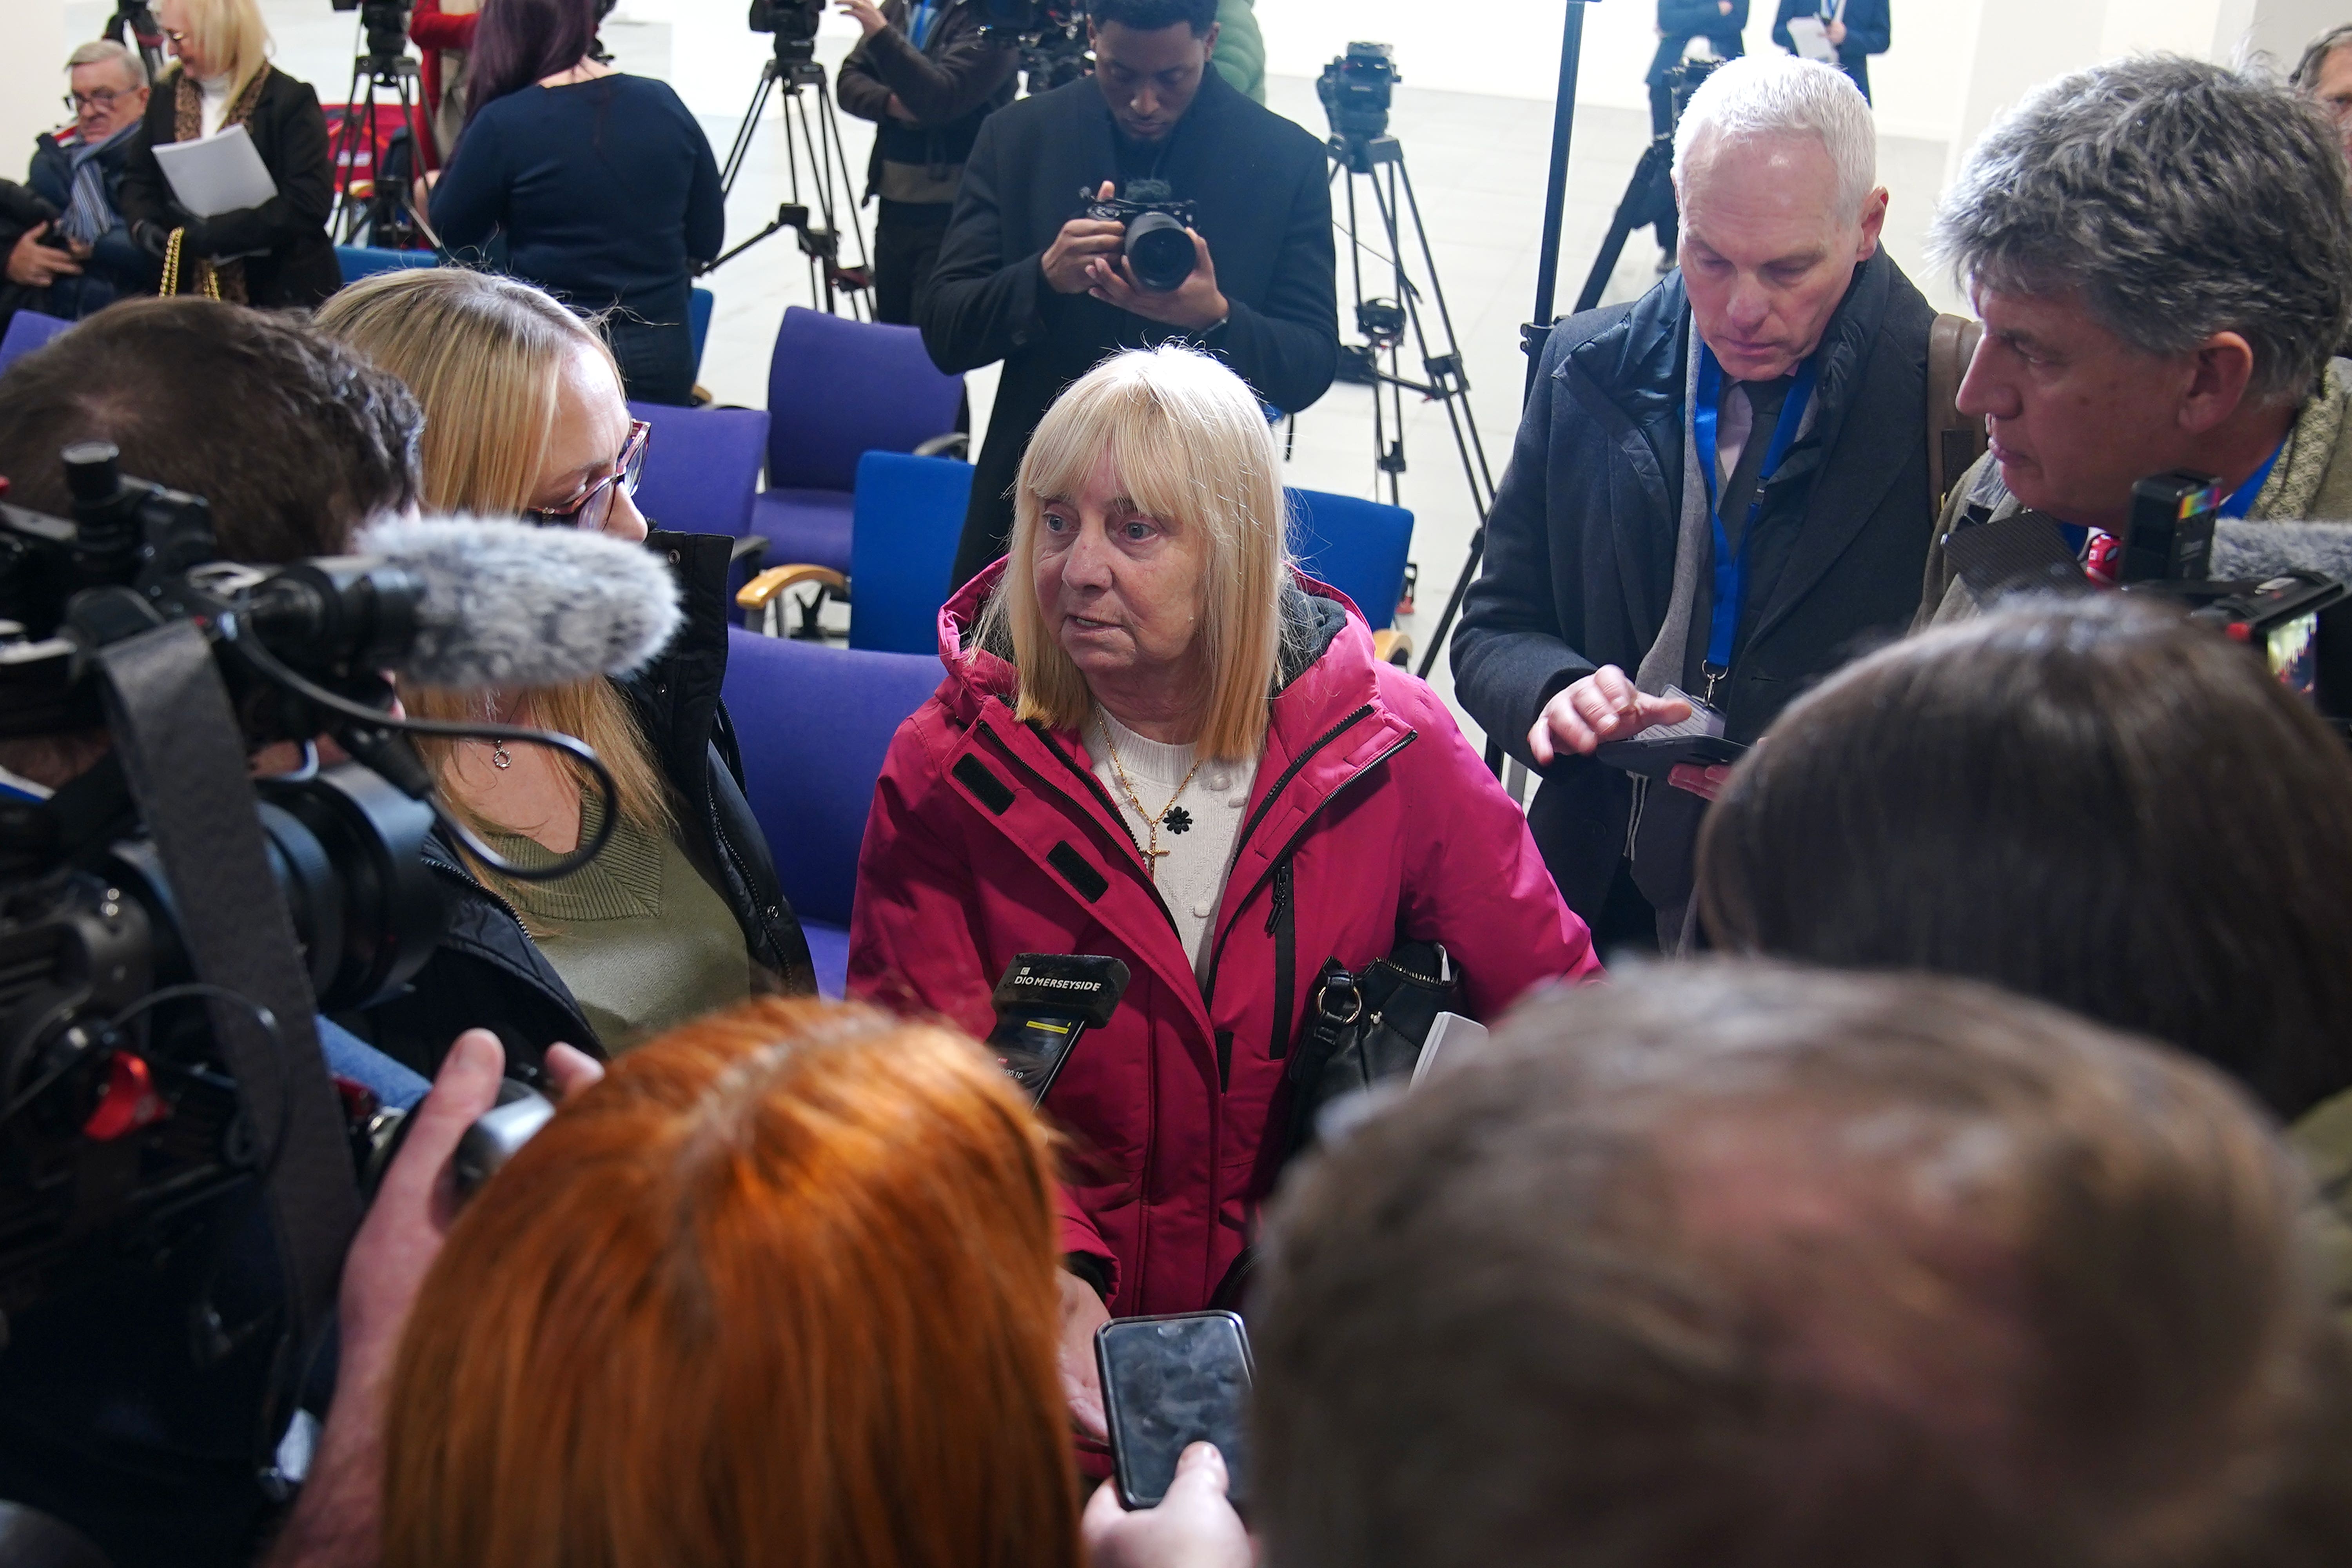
(1158, 741)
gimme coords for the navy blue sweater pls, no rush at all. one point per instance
(603, 190)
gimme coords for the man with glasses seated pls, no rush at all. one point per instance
(79, 256)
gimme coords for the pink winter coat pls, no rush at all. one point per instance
(1372, 821)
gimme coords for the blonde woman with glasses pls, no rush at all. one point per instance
(681, 911)
(1158, 741)
(275, 255)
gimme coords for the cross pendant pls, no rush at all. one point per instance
(1152, 857)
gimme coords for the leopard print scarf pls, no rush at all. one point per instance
(187, 124)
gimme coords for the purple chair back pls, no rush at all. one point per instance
(702, 466)
(815, 724)
(838, 389)
(30, 330)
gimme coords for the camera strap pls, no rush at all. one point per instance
(183, 752)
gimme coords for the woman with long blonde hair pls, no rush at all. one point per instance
(274, 255)
(680, 912)
(1159, 741)
(777, 1294)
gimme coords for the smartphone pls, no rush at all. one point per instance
(1169, 1383)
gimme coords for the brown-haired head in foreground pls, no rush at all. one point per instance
(1730, 1265)
(2091, 801)
(294, 439)
(780, 1290)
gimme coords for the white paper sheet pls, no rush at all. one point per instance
(1451, 1032)
(1813, 39)
(217, 173)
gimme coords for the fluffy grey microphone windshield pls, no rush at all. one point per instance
(509, 604)
(2244, 550)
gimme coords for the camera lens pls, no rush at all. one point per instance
(1160, 252)
(347, 848)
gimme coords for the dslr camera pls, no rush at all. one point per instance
(1159, 251)
(1356, 90)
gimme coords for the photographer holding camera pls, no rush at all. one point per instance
(2161, 251)
(926, 74)
(1026, 275)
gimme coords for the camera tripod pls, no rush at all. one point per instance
(383, 210)
(1649, 199)
(814, 135)
(1650, 193)
(1378, 163)
(145, 33)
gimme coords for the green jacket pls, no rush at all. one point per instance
(2312, 479)
(1241, 51)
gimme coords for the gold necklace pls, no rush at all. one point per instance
(1182, 820)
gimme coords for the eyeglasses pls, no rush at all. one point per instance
(104, 98)
(590, 509)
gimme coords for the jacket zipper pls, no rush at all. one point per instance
(1283, 926)
(1216, 959)
(751, 894)
(468, 879)
(1289, 774)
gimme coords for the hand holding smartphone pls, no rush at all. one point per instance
(1169, 1383)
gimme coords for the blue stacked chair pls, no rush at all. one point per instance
(815, 724)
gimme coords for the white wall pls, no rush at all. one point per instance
(1954, 65)
(32, 78)
(1514, 50)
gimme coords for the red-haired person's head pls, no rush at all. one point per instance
(781, 1291)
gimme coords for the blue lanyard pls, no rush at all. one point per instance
(2241, 500)
(919, 26)
(1731, 565)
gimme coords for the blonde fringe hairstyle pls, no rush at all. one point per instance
(485, 357)
(233, 33)
(1190, 447)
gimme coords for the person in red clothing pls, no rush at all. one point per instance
(1158, 741)
(443, 31)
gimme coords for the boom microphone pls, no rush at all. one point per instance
(2247, 551)
(507, 605)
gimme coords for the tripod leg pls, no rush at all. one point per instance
(1454, 604)
(1638, 208)
(741, 146)
(1474, 465)
(341, 152)
(841, 162)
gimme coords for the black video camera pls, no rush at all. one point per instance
(1050, 34)
(138, 1093)
(2298, 621)
(1159, 249)
(1356, 90)
(385, 23)
(794, 24)
(1683, 81)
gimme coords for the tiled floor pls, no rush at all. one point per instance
(1478, 165)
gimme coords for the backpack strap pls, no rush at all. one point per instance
(1955, 439)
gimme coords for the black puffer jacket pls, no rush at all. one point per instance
(488, 973)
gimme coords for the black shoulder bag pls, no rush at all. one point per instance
(1368, 1028)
